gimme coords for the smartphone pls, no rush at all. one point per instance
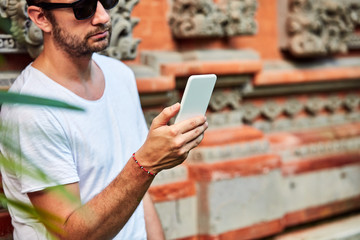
(196, 96)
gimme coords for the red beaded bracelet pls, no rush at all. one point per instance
(148, 172)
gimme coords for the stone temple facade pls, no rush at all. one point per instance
(283, 146)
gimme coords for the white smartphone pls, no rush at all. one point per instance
(196, 96)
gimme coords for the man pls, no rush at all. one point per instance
(89, 154)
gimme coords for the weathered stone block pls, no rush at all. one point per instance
(238, 203)
(235, 195)
(178, 218)
(318, 194)
(176, 204)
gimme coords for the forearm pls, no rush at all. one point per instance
(106, 214)
(153, 225)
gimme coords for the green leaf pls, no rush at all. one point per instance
(9, 97)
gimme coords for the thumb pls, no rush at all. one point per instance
(164, 117)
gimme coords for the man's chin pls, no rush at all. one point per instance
(100, 46)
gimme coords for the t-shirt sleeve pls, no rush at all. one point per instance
(39, 149)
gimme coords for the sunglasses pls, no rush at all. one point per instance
(83, 9)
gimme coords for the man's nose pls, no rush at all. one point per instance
(101, 16)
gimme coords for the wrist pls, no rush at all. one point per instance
(145, 169)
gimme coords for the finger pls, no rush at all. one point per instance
(190, 124)
(193, 144)
(195, 133)
(164, 117)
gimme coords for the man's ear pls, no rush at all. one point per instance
(37, 15)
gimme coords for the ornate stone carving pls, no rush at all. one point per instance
(203, 18)
(351, 102)
(250, 112)
(8, 44)
(321, 27)
(196, 18)
(27, 35)
(292, 107)
(333, 103)
(327, 148)
(123, 45)
(320, 110)
(220, 100)
(228, 108)
(271, 110)
(314, 105)
(353, 40)
(240, 16)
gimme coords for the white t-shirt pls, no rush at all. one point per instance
(89, 147)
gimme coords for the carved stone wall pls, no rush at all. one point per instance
(194, 18)
(321, 27)
(26, 36)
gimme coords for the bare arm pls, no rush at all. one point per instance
(105, 215)
(153, 225)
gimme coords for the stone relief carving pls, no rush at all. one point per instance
(326, 148)
(25, 34)
(8, 44)
(228, 108)
(292, 107)
(240, 16)
(203, 18)
(271, 110)
(353, 40)
(221, 99)
(123, 45)
(351, 102)
(322, 27)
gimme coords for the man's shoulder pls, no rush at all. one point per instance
(22, 81)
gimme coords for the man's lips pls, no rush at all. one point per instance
(101, 34)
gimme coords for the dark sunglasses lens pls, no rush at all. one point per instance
(108, 4)
(84, 9)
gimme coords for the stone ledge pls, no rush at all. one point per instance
(273, 77)
(250, 166)
(321, 212)
(256, 231)
(345, 228)
(155, 84)
(320, 163)
(155, 59)
(225, 67)
(225, 136)
(173, 191)
(279, 140)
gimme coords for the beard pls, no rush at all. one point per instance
(76, 46)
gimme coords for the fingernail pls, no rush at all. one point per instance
(173, 107)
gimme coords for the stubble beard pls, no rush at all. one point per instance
(78, 47)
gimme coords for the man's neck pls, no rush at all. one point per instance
(80, 75)
(60, 65)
